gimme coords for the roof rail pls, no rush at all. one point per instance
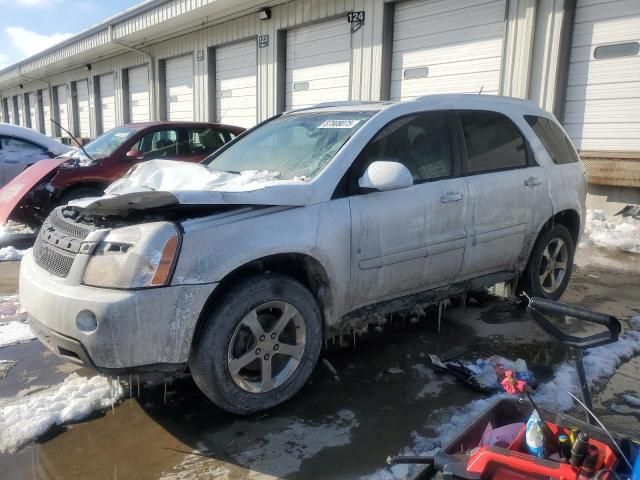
(341, 103)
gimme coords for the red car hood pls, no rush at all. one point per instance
(14, 191)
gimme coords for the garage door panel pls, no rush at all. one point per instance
(236, 84)
(139, 103)
(46, 112)
(63, 109)
(318, 64)
(602, 92)
(107, 102)
(610, 31)
(599, 111)
(83, 108)
(33, 109)
(603, 11)
(179, 88)
(460, 43)
(610, 71)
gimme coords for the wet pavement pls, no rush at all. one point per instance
(336, 428)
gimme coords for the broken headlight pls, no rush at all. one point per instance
(139, 256)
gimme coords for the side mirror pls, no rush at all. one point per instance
(134, 154)
(384, 176)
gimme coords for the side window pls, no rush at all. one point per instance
(161, 144)
(493, 142)
(22, 149)
(421, 142)
(203, 141)
(554, 140)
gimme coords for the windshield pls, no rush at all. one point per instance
(106, 144)
(292, 146)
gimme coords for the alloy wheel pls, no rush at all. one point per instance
(553, 265)
(266, 347)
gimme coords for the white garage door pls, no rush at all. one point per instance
(236, 80)
(63, 109)
(20, 100)
(318, 63)
(602, 110)
(46, 112)
(139, 105)
(10, 110)
(84, 111)
(444, 47)
(33, 109)
(107, 102)
(179, 78)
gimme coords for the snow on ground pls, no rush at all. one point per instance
(12, 228)
(24, 419)
(12, 333)
(611, 232)
(11, 253)
(9, 306)
(600, 363)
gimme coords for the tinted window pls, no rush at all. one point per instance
(556, 143)
(420, 142)
(22, 151)
(162, 144)
(493, 142)
(206, 140)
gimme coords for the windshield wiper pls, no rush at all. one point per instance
(74, 139)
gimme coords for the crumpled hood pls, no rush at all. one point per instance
(161, 183)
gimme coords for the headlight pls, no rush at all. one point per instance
(134, 257)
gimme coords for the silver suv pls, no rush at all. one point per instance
(304, 228)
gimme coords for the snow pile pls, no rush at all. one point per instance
(12, 333)
(12, 253)
(12, 228)
(23, 419)
(9, 307)
(611, 232)
(600, 363)
(168, 175)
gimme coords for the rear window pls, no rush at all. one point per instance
(493, 142)
(555, 142)
(203, 141)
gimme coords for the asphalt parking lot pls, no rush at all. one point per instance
(382, 401)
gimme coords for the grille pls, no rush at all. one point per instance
(66, 227)
(57, 243)
(52, 259)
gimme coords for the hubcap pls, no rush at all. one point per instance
(266, 347)
(553, 265)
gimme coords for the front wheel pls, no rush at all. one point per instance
(550, 264)
(259, 345)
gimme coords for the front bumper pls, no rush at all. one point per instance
(137, 329)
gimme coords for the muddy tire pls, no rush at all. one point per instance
(550, 264)
(78, 193)
(258, 345)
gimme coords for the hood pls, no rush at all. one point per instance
(163, 183)
(14, 191)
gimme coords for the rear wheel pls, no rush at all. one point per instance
(550, 264)
(259, 344)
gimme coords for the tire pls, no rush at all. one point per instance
(78, 193)
(546, 279)
(233, 336)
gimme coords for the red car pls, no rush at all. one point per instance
(86, 173)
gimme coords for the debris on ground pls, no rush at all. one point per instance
(5, 366)
(632, 211)
(632, 400)
(331, 368)
(483, 374)
(394, 370)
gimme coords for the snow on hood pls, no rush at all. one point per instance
(160, 183)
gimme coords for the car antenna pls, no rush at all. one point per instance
(481, 88)
(74, 139)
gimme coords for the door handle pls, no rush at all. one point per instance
(11, 161)
(532, 182)
(450, 197)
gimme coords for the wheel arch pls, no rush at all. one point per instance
(83, 184)
(569, 218)
(302, 267)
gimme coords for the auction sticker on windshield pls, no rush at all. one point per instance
(339, 124)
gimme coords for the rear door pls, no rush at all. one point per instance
(507, 190)
(412, 239)
(203, 141)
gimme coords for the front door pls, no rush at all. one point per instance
(507, 193)
(409, 240)
(16, 155)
